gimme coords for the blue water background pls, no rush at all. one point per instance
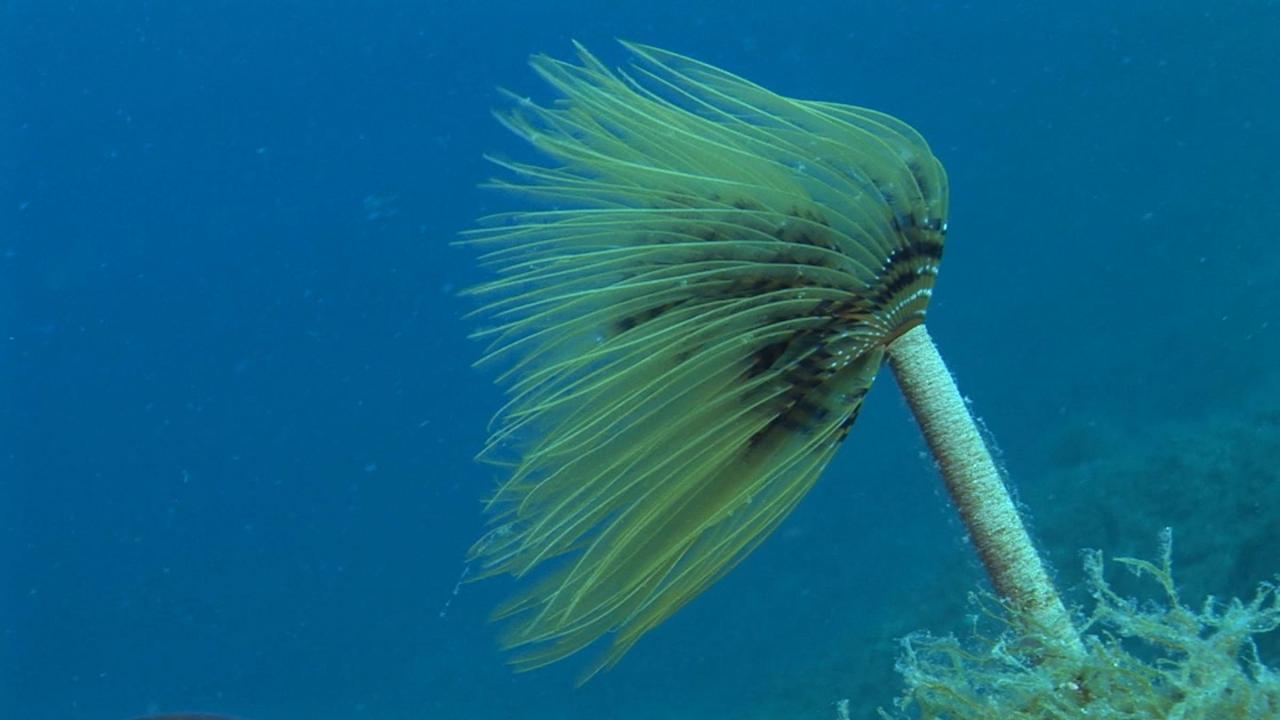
(237, 413)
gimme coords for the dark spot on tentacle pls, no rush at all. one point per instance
(766, 356)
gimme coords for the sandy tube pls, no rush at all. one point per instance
(976, 487)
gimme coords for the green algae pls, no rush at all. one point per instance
(1144, 659)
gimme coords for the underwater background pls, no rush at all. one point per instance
(237, 408)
